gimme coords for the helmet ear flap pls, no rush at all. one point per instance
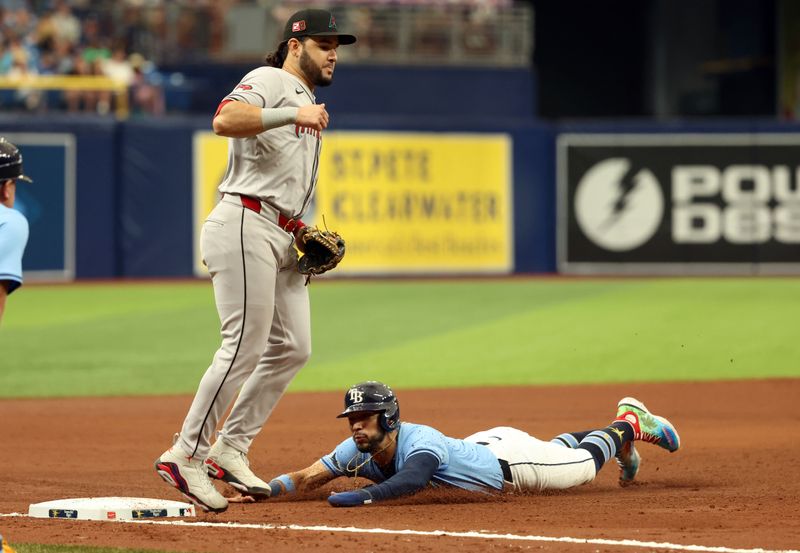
(390, 417)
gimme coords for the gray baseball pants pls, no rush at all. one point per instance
(265, 319)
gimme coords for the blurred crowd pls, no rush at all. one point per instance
(77, 38)
(125, 40)
(470, 23)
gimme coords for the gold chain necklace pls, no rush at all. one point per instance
(354, 470)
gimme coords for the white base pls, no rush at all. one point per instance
(110, 508)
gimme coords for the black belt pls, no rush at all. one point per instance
(506, 470)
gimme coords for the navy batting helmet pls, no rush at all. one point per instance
(372, 396)
(10, 162)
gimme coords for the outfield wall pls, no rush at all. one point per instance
(474, 197)
(91, 227)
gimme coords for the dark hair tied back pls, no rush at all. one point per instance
(276, 58)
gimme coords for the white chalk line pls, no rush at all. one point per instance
(439, 533)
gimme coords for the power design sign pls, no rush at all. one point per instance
(679, 203)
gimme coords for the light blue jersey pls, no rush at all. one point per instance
(13, 238)
(462, 464)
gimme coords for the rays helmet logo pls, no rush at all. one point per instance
(618, 205)
(356, 395)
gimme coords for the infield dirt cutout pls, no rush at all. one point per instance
(734, 483)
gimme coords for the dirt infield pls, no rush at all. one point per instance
(735, 483)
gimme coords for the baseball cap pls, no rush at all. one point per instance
(314, 22)
(11, 162)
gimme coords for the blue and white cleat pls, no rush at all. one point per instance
(647, 426)
(628, 460)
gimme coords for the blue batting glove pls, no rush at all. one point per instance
(350, 499)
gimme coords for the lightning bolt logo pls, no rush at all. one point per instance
(627, 185)
(619, 204)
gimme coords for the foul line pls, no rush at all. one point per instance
(438, 533)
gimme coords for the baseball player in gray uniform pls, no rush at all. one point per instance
(275, 129)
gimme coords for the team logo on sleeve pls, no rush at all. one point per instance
(244, 87)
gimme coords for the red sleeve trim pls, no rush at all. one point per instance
(220, 106)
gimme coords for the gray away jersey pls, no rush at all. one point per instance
(281, 165)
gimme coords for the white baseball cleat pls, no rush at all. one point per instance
(231, 465)
(189, 477)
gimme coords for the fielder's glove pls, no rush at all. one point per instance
(323, 250)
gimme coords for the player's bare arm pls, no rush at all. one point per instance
(309, 478)
(241, 120)
(312, 477)
(238, 120)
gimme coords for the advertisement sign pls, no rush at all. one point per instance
(679, 203)
(406, 203)
(418, 202)
(210, 160)
(48, 204)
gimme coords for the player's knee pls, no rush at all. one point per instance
(298, 355)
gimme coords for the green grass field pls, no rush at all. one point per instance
(156, 338)
(134, 338)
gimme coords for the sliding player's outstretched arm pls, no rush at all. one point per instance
(309, 478)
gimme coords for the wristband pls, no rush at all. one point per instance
(272, 118)
(280, 485)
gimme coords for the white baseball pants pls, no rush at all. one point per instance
(536, 465)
